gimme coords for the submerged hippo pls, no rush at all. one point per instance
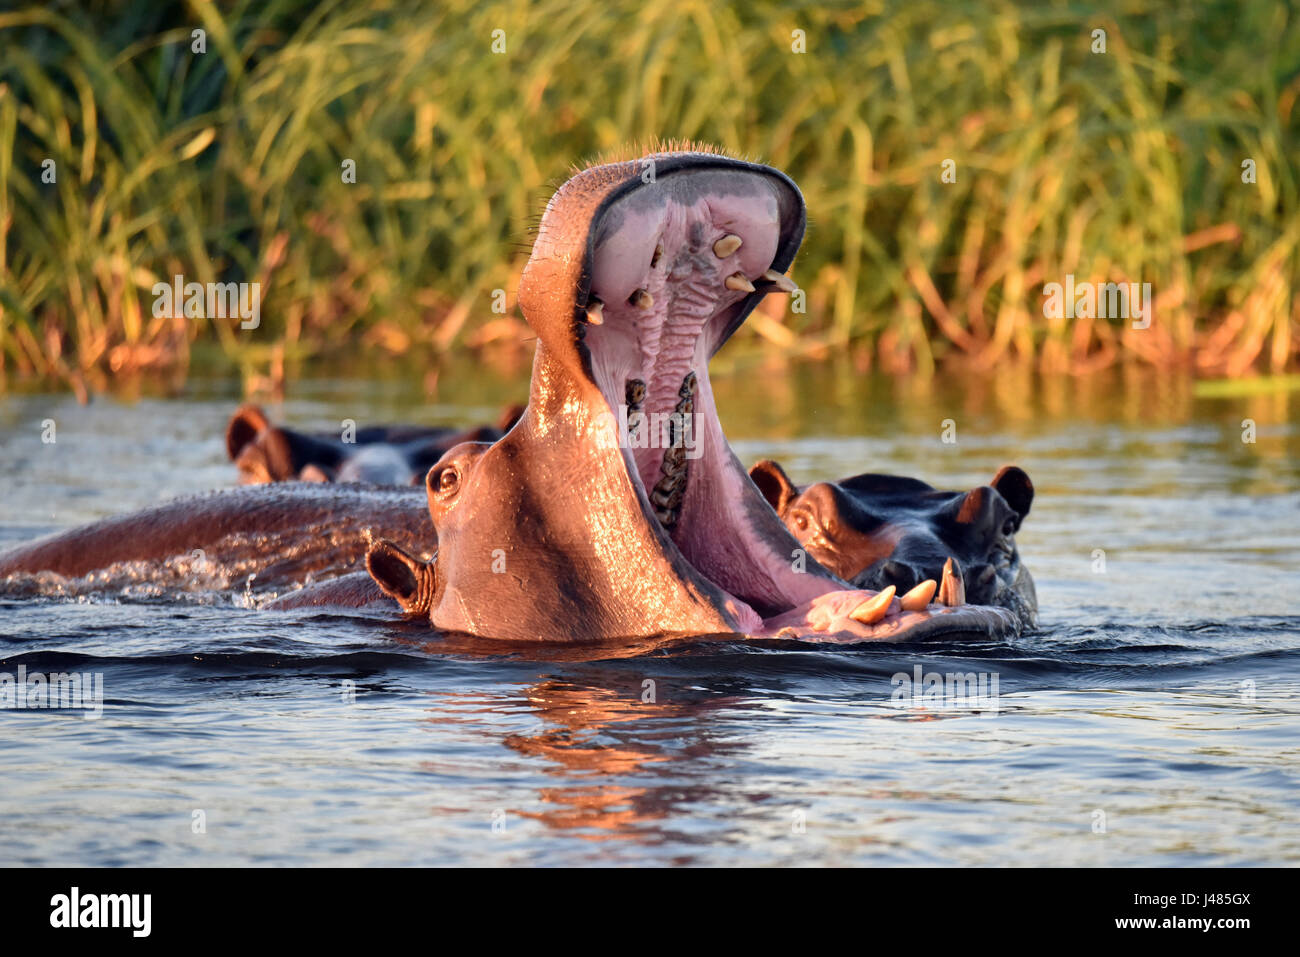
(260, 538)
(379, 455)
(614, 508)
(880, 530)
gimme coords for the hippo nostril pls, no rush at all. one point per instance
(898, 574)
(980, 583)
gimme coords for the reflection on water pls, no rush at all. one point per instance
(1151, 720)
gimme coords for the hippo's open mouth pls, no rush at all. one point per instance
(675, 267)
(672, 267)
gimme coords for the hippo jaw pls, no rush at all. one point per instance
(616, 508)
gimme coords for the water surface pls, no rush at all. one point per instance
(1151, 719)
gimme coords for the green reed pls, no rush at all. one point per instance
(227, 165)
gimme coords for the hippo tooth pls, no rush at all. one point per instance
(659, 253)
(738, 282)
(874, 609)
(634, 392)
(780, 280)
(641, 299)
(727, 245)
(953, 590)
(919, 597)
(595, 312)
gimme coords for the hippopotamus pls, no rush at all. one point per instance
(613, 509)
(880, 530)
(380, 455)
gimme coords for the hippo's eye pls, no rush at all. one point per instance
(801, 521)
(1009, 527)
(448, 480)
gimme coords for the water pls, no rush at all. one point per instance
(1151, 720)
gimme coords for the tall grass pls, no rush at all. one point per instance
(226, 165)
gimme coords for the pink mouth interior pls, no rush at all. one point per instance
(660, 239)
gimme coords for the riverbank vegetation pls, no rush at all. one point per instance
(957, 159)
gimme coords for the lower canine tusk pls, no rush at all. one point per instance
(952, 591)
(874, 609)
(919, 597)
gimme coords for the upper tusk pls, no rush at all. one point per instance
(780, 280)
(727, 245)
(595, 312)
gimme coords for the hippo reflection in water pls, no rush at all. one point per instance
(564, 529)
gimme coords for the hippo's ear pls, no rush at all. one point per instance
(401, 576)
(509, 416)
(1013, 485)
(773, 483)
(244, 426)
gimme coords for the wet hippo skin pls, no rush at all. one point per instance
(880, 530)
(380, 455)
(281, 534)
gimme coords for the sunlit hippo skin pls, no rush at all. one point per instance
(880, 530)
(566, 531)
(379, 455)
(260, 538)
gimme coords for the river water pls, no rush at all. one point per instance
(1152, 719)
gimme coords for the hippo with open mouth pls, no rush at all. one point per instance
(568, 528)
(614, 508)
